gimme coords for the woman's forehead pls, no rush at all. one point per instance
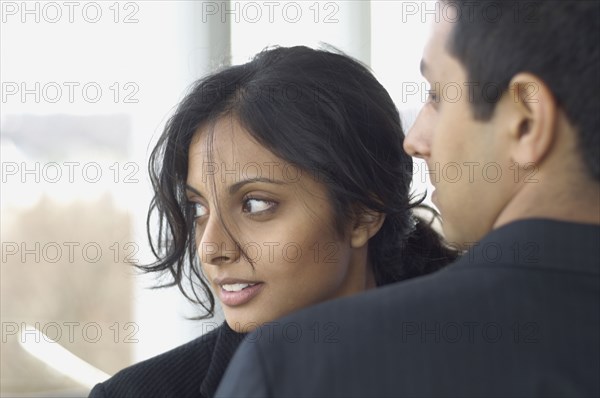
(227, 140)
(224, 153)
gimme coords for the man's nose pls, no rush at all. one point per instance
(417, 142)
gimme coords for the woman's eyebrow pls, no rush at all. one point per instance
(194, 190)
(238, 185)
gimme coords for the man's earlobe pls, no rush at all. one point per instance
(533, 128)
(367, 224)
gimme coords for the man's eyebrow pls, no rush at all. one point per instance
(423, 67)
(238, 185)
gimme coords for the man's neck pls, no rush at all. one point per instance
(574, 200)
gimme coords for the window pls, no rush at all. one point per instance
(86, 88)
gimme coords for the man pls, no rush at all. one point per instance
(519, 313)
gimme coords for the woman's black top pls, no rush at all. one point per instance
(190, 370)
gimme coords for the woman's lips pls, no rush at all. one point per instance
(236, 298)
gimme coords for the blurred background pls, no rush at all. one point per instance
(86, 88)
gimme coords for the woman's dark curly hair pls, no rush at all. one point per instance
(321, 111)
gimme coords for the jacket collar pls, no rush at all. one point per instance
(226, 343)
(538, 243)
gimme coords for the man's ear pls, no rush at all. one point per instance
(366, 225)
(533, 118)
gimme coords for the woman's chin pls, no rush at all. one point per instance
(243, 325)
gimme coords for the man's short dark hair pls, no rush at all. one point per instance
(555, 40)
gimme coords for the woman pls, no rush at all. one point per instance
(278, 184)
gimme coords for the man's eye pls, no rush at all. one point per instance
(432, 96)
(199, 210)
(252, 205)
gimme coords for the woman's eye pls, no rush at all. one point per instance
(199, 210)
(252, 205)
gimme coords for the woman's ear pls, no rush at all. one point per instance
(366, 225)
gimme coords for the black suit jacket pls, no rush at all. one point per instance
(190, 370)
(516, 316)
